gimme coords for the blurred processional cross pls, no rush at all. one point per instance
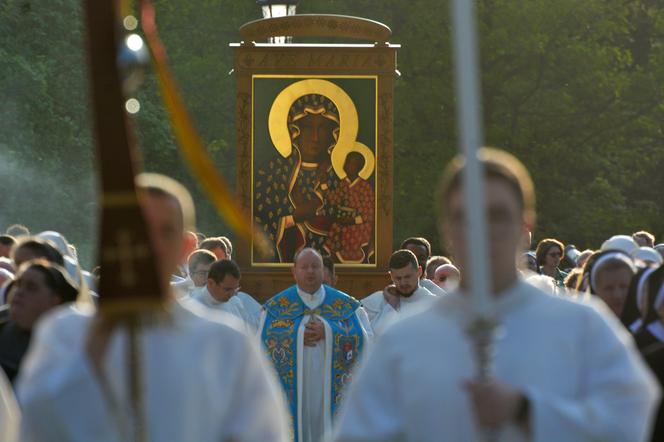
(130, 286)
(482, 328)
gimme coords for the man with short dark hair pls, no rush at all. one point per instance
(243, 304)
(246, 304)
(561, 370)
(223, 281)
(421, 247)
(220, 293)
(313, 335)
(402, 298)
(225, 273)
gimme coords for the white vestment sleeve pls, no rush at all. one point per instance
(372, 304)
(259, 409)
(251, 308)
(372, 408)
(384, 319)
(261, 323)
(252, 318)
(363, 318)
(46, 417)
(235, 307)
(39, 424)
(51, 339)
(617, 395)
(432, 287)
(9, 413)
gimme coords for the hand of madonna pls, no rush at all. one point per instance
(314, 331)
(323, 167)
(303, 212)
(304, 209)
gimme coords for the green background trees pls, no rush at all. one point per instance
(573, 88)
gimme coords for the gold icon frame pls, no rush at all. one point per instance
(347, 142)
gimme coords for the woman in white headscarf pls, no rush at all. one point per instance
(609, 274)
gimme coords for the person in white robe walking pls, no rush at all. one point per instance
(562, 370)
(404, 297)
(203, 378)
(221, 293)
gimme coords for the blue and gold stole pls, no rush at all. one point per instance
(285, 312)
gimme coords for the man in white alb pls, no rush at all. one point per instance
(562, 371)
(203, 378)
(421, 247)
(220, 293)
(401, 299)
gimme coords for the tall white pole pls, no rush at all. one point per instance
(481, 330)
(470, 139)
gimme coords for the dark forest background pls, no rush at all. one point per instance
(574, 88)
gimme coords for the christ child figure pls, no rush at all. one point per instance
(349, 239)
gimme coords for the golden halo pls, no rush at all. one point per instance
(339, 158)
(278, 118)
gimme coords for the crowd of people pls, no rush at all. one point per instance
(578, 357)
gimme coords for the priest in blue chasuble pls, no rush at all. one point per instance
(314, 335)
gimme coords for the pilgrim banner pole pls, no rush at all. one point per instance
(481, 329)
(129, 283)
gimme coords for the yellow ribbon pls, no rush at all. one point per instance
(190, 144)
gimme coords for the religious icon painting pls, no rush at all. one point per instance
(313, 160)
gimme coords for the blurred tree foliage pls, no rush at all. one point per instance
(573, 88)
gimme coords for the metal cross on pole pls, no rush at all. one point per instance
(470, 139)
